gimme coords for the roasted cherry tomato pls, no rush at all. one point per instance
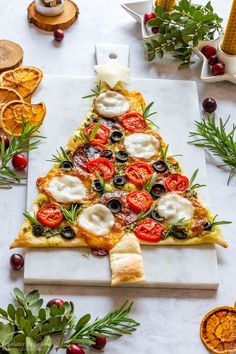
(50, 215)
(103, 166)
(149, 230)
(176, 183)
(139, 173)
(133, 122)
(139, 200)
(101, 136)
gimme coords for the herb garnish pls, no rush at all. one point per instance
(31, 217)
(147, 114)
(61, 156)
(149, 184)
(101, 180)
(221, 222)
(180, 222)
(92, 134)
(165, 151)
(95, 91)
(71, 214)
(144, 214)
(195, 185)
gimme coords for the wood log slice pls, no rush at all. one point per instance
(62, 21)
(11, 55)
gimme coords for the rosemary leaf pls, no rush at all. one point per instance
(61, 155)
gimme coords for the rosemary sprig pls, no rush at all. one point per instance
(217, 140)
(95, 91)
(220, 222)
(149, 184)
(83, 137)
(180, 222)
(101, 180)
(21, 144)
(144, 214)
(91, 136)
(164, 153)
(31, 217)
(60, 156)
(193, 185)
(147, 114)
(71, 214)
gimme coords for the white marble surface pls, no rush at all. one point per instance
(169, 318)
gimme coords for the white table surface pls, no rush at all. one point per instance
(169, 319)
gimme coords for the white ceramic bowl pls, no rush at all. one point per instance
(49, 11)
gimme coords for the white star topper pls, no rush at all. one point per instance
(112, 73)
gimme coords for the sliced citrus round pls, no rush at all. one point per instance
(8, 95)
(218, 330)
(14, 113)
(24, 80)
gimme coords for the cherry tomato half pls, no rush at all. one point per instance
(139, 200)
(101, 136)
(176, 183)
(149, 230)
(133, 122)
(103, 166)
(139, 173)
(50, 215)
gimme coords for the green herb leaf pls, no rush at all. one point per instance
(31, 218)
(60, 156)
(193, 186)
(94, 131)
(149, 184)
(95, 91)
(71, 214)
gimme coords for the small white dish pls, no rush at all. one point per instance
(49, 11)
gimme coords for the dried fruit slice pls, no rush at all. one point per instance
(218, 330)
(13, 112)
(8, 95)
(24, 80)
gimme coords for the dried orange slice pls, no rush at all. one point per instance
(8, 95)
(218, 330)
(13, 112)
(24, 80)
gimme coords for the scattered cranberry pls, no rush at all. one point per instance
(19, 161)
(100, 343)
(149, 16)
(75, 349)
(208, 51)
(218, 69)
(58, 35)
(7, 141)
(58, 302)
(209, 105)
(16, 261)
(155, 30)
(212, 60)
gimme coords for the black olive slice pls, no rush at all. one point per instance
(67, 164)
(121, 156)
(160, 166)
(114, 205)
(106, 153)
(157, 190)
(207, 226)
(119, 180)
(99, 252)
(38, 230)
(179, 234)
(154, 215)
(116, 136)
(97, 185)
(67, 232)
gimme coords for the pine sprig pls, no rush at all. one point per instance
(217, 140)
(71, 214)
(95, 91)
(60, 156)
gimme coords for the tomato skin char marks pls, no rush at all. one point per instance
(149, 230)
(139, 201)
(50, 215)
(139, 173)
(176, 183)
(103, 166)
(133, 122)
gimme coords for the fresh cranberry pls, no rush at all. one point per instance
(19, 161)
(6, 140)
(218, 69)
(75, 349)
(213, 60)
(149, 16)
(100, 343)
(58, 35)
(155, 30)
(16, 261)
(208, 51)
(209, 105)
(58, 302)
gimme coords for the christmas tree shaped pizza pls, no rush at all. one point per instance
(114, 186)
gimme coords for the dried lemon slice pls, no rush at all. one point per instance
(24, 80)
(218, 330)
(8, 95)
(12, 115)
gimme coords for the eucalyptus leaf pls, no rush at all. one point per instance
(46, 345)
(31, 346)
(82, 321)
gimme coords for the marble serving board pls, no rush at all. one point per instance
(176, 267)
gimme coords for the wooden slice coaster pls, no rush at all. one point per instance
(11, 55)
(62, 21)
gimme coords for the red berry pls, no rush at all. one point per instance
(155, 30)
(7, 141)
(212, 60)
(100, 343)
(208, 51)
(149, 16)
(218, 69)
(58, 35)
(19, 161)
(16, 261)
(209, 105)
(75, 349)
(58, 302)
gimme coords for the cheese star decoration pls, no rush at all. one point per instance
(112, 73)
